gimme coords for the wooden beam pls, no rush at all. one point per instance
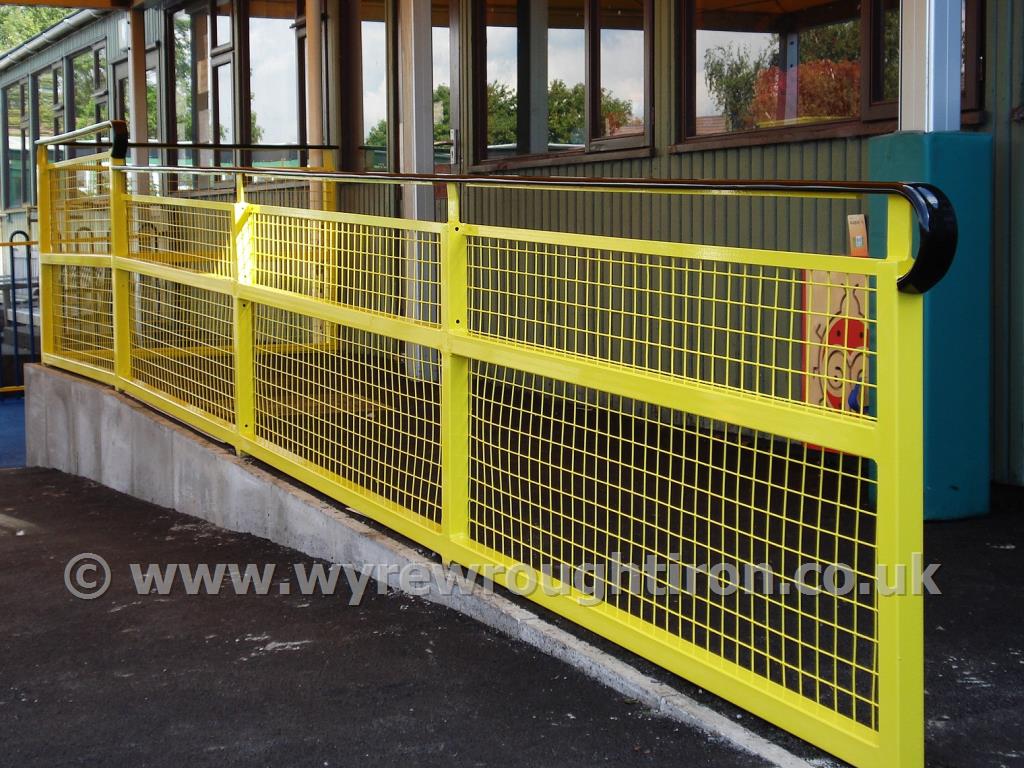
(89, 4)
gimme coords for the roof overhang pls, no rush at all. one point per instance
(99, 5)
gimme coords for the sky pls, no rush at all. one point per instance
(622, 67)
(375, 97)
(274, 79)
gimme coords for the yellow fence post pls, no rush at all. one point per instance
(455, 384)
(900, 506)
(120, 279)
(46, 281)
(242, 336)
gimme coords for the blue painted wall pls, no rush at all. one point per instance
(957, 314)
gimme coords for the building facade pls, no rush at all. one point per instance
(599, 88)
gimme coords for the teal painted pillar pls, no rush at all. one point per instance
(957, 314)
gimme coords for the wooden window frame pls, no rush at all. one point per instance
(596, 146)
(876, 117)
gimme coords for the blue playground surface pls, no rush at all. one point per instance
(12, 431)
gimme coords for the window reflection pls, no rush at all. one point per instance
(622, 67)
(374, 47)
(225, 118)
(567, 122)
(273, 74)
(762, 70)
(85, 105)
(441, 92)
(502, 76)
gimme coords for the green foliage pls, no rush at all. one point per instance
(442, 127)
(501, 113)
(18, 23)
(831, 42)
(732, 73)
(566, 114)
(183, 77)
(85, 106)
(378, 135)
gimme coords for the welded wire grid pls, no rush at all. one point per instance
(82, 315)
(182, 235)
(381, 269)
(181, 344)
(772, 331)
(288, 193)
(360, 408)
(80, 208)
(583, 486)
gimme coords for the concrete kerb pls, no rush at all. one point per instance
(84, 428)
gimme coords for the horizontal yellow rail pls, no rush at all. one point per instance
(552, 407)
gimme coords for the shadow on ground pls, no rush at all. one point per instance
(277, 680)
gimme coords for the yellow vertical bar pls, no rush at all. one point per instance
(330, 188)
(47, 283)
(455, 384)
(120, 278)
(242, 335)
(900, 650)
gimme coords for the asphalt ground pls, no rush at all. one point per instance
(275, 680)
(295, 680)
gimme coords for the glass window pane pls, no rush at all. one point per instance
(152, 106)
(802, 72)
(222, 23)
(124, 108)
(85, 82)
(622, 67)
(225, 114)
(183, 77)
(101, 69)
(274, 74)
(890, 50)
(441, 89)
(567, 122)
(44, 101)
(16, 156)
(373, 39)
(502, 72)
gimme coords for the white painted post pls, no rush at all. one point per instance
(930, 65)
(314, 95)
(416, 155)
(138, 126)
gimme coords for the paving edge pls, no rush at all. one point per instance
(83, 428)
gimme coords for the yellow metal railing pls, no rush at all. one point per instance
(562, 409)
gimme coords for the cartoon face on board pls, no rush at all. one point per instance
(836, 334)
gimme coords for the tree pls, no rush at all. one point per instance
(830, 42)
(183, 86)
(567, 109)
(378, 134)
(825, 89)
(442, 127)
(732, 73)
(18, 23)
(501, 114)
